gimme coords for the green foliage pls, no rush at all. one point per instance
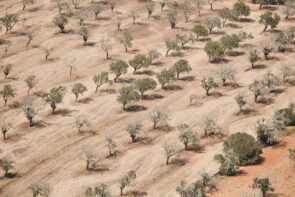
(145, 84)
(263, 184)
(287, 114)
(200, 30)
(126, 40)
(258, 89)
(154, 54)
(100, 79)
(9, 20)
(244, 146)
(182, 39)
(31, 82)
(60, 21)
(55, 96)
(5, 126)
(266, 49)
(225, 14)
(171, 150)
(127, 180)
(212, 22)
(214, 49)
(99, 190)
(181, 66)
(186, 189)
(265, 132)
(84, 33)
(240, 8)
(139, 61)
(78, 89)
(253, 57)
(171, 45)
(208, 84)
(269, 19)
(166, 76)
(134, 128)
(186, 135)
(7, 92)
(6, 165)
(241, 101)
(127, 94)
(118, 68)
(40, 188)
(228, 163)
(230, 42)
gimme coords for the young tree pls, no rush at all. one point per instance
(214, 49)
(126, 41)
(153, 55)
(75, 3)
(5, 126)
(90, 156)
(225, 14)
(208, 84)
(288, 9)
(226, 72)
(158, 115)
(100, 79)
(240, 8)
(286, 70)
(127, 94)
(84, 33)
(118, 68)
(263, 184)
(9, 20)
(134, 129)
(172, 17)
(269, 19)
(258, 89)
(105, 45)
(171, 45)
(211, 2)
(265, 132)
(47, 52)
(228, 163)
(230, 42)
(78, 89)
(270, 80)
(198, 5)
(6, 69)
(186, 135)
(145, 84)
(186, 9)
(211, 22)
(200, 30)
(210, 126)
(166, 76)
(26, 2)
(40, 188)
(283, 38)
(31, 108)
(54, 97)
(192, 98)
(186, 189)
(139, 61)
(171, 149)
(7, 92)
(96, 8)
(253, 57)
(110, 144)
(61, 4)
(150, 6)
(81, 121)
(31, 82)
(134, 16)
(266, 49)
(163, 3)
(99, 190)
(6, 165)
(182, 39)
(60, 21)
(119, 22)
(127, 180)
(29, 38)
(181, 66)
(241, 101)
(113, 3)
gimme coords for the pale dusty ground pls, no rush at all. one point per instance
(52, 152)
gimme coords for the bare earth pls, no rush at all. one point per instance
(51, 150)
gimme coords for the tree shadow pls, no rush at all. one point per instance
(204, 39)
(153, 96)
(178, 161)
(40, 124)
(218, 32)
(85, 100)
(266, 101)
(156, 17)
(96, 168)
(135, 108)
(133, 51)
(135, 193)
(89, 44)
(109, 91)
(159, 63)
(64, 112)
(177, 54)
(125, 80)
(196, 148)
(235, 53)
(216, 94)
(142, 24)
(219, 60)
(278, 91)
(188, 78)
(232, 25)
(15, 105)
(172, 87)
(268, 7)
(10, 175)
(103, 18)
(145, 72)
(246, 20)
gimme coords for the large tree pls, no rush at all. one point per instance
(126, 95)
(269, 19)
(118, 68)
(145, 84)
(181, 66)
(54, 97)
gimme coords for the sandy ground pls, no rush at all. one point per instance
(52, 150)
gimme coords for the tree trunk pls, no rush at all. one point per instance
(185, 146)
(107, 55)
(211, 6)
(4, 135)
(126, 49)
(223, 82)
(5, 101)
(29, 92)
(31, 122)
(207, 92)
(255, 98)
(167, 160)
(87, 165)
(142, 95)
(97, 86)
(76, 97)
(177, 76)
(265, 28)
(260, 6)
(121, 191)
(133, 138)
(167, 52)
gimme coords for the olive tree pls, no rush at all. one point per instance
(7, 92)
(31, 82)
(119, 22)
(199, 5)
(253, 57)
(118, 68)
(228, 163)
(153, 55)
(265, 132)
(186, 9)
(100, 79)
(163, 3)
(127, 94)
(80, 122)
(96, 8)
(78, 89)
(208, 84)
(47, 52)
(225, 14)
(210, 126)
(286, 70)
(186, 189)
(40, 188)
(54, 97)
(241, 101)
(181, 66)
(31, 107)
(182, 39)
(226, 72)
(150, 6)
(134, 16)
(288, 9)
(211, 2)
(170, 149)
(270, 80)
(171, 45)
(134, 129)
(26, 2)
(192, 98)
(127, 180)
(200, 30)
(230, 42)
(263, 184)
(90, 155)
(158, 115)
(6, 164)
(99, 190)
(82, 15)
(211, 22)
(9, 20)
(29, 38)
(83, 31)
(214, 50)
(145, 84)
(269, 19)
(240, 8)
(172, 17)
(60, 21)
(166, 76)
(113, 3)
(110, 144)
(266, 49)
(105, 45)
(186, 135)
(6, 69)
(61, 4)
(126, 40)
(258, 89)
(283, 38)
(5, 126)
(139, 61)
